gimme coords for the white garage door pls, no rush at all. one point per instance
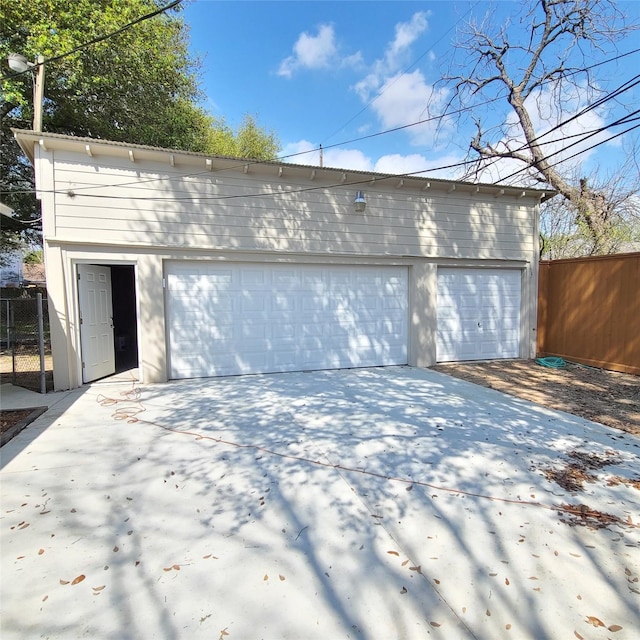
(478, 314)
(256, 318)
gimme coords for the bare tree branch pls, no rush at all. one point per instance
(547, 72)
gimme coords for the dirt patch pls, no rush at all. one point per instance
(602, 396)
(13, 421)
(11, 417)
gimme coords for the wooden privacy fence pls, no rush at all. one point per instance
(589, 311)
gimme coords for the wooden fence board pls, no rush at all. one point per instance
(589, 311)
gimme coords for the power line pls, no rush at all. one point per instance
(404, 72)
(624, 120)
(583, 136)
(171, 5)
(446, 114)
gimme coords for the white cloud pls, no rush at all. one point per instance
(301, 152)
(417, 162)
(396, 163)
(347, 159)
(406, 33)
(305, 152)
(403, 98)
(407, 98)
(316, 52)
(356, 160)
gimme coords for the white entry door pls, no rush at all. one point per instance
(228, 319)
(478, 314)
(96, 322)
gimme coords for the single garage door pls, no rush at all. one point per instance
(478, 314)
(256, 318)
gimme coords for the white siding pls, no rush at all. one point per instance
(152, 204)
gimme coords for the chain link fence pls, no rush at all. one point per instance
(25, 358)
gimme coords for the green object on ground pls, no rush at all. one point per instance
(552, 362)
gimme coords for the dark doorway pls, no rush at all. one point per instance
(123, 286)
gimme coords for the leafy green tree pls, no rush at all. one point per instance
(33, 257)
(138, 86)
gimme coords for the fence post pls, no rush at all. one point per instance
(11, 309)
(8, 327)
(43, 382)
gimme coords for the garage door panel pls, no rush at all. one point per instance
(478, 314)
(258, 318)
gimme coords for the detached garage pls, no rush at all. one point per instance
(184, 265)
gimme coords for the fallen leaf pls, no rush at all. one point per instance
(393, 553)
(595, 621)
(405, 563)
(579, 597)
(555, 553)
(577, 635)
(533, 578)
(266, 577)
(507, 627)
(166, 568)
(79, 579)
(116, 549)
(575, 555)
(434, 624)
(627, 571)
(409, 488)
(176, 567)
(24, 526)
(224, 633)
(64, 582)
(436, 581)
(40, 552)
(45, 598)
(614, 628)
(488, 612)
(493, 574)
(403, 590)
(99, 588)
(417, 568)
(281, 577)
(464, 609)
(506, 581)
(206, 557)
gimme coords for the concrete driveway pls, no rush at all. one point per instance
(373, 503)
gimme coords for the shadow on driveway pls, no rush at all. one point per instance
(371, 503)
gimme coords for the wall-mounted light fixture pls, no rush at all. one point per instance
(20, 64)
(360, 203)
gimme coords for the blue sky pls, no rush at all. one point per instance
(327, 72)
